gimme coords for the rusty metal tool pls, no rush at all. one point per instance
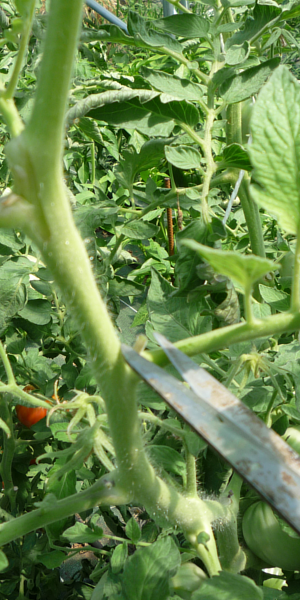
(254, 451)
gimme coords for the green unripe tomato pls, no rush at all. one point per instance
(292, 437)
(265, 538)
(188, 578)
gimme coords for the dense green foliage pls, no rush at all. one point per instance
(166, 105)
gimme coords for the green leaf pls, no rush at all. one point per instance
(131, 114)
(183, 157)
(90, 129)
(291, 411)
(263, 15)
(275, 149)
(174, 316)
(195, 444)
(243, 270)
(24, 6)
(168, 458)
(228, 312)
(65, 486)
(133, 531)
(179, 110)
(138, 230)
(13, 291)
(189, 26)
(240, 87)
(183, 89)
(188, 260)
(3, 561)
(52, 560)
(88, 218)
(235, 157)
(227, 586)
(148, 397)
(236, 53)
(139, 28)
(37, 311)
(9, 238)
(120, 286)
(81, 534)
(147, 572)
(119, 557)
(275, 298)
(96, 101)
(150, 155)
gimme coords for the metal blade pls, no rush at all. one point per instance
(257, 453)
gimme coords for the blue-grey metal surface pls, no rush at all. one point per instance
(169, 9)
(257, 453)
(106, 14)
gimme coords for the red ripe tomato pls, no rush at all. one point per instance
(28, 415)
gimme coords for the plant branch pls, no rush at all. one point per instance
(232, 557)
(180, 7)
(11, 116)
(222, 338)
(27, 23)
(7, 366)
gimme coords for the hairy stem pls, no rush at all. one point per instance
(222, 338)
(232, 557)
(35, 158)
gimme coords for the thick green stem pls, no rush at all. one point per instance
(232, 557)
(35, 158)
(191, 472)
(103, 491)
(46, 125)
(234, 124)
(248, 305)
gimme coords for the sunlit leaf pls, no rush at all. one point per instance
(244, 270)
(275, 149)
